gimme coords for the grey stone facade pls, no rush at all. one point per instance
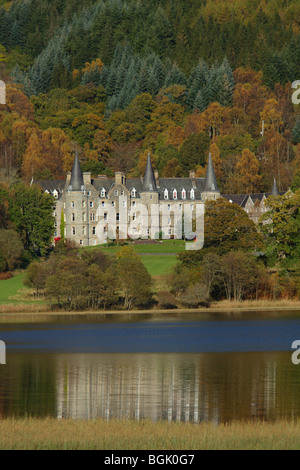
(103, 208)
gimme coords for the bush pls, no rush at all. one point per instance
(166, 300)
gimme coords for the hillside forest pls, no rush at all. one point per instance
(116, 80)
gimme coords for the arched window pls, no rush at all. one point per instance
(183, 194)
(192, 194)
(103, 192)
(166, 194)
(133, 192)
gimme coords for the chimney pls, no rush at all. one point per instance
(156, 177)
(119, 178)
(87, 177)
(193, 177)
(69, 176)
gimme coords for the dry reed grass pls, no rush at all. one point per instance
(68, 434)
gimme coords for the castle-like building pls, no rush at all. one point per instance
(92, 210)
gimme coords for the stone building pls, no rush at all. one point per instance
(92, 210)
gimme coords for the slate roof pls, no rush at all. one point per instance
(149, 183)
(76, 182)
(239, 199)
(210, 184)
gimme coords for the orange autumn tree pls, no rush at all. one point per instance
(48, 154)
(247, 172)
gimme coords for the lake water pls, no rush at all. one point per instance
(185, 367)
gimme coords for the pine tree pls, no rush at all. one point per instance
(296, 132)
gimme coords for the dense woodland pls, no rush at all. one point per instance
(118, 79)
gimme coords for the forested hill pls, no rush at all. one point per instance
(56, 37)
(117, 79)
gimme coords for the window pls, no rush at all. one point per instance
(91, 204)
(117, 217)
(103, 203)
(166, 194)
(73, 231)
(89, 193)
(169, 207)
(116, 193)
(122, 193)
(83, 216)
(83, 230)
(72, 204)
(105, 216)
(113, 203)
(175, 194)
(103, 192)
(55, 194)
(133, 203)
(180, 207)
(94, 230)
(83, 203)
(192, 194)
(81, 242)
(73, 217)
(92, 216)
(124, 204)
(133, 192)
(183, 194)
(133, 216)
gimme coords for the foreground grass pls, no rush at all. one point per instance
(67, 434)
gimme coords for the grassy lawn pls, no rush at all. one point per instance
(152, 255)
(9, 288)
(159, 265)
(164, 247)
(12, 291)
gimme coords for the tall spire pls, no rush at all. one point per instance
(275, 190)
(149, 183)
(76, 181)
(210, 183)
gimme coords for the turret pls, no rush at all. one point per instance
(76, 181)
(275, 190)
(210, 189)
(149, 182)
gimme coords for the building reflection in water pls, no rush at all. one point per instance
(174, 387)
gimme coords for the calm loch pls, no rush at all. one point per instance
(184, 367)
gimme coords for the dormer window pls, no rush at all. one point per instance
(166, 194)
(133, 192)
(175, 194)
(192, 194)
(55, 194)
(103, 192)
(183, 194)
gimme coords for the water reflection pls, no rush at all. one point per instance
(183, 387)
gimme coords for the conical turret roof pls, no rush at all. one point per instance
(149, 183)
(275, 190)
(210, 183)
(76, 181)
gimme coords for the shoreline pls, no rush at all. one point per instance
(218, 308)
